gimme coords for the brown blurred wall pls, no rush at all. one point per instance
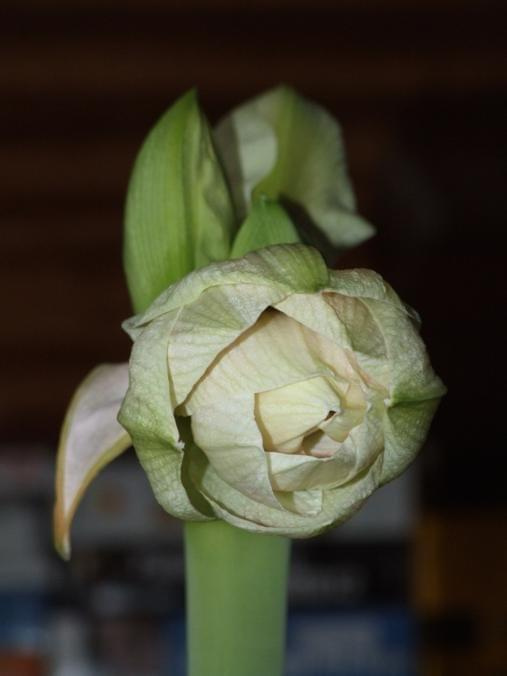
(420, 89)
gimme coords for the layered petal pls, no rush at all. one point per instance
(210, 324)
(241, 511)
(291, 268)
(275, 352)
(147, 413)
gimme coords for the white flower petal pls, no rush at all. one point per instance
(314, 312)
(229, 436)
(289, 268)
(274, 352)
(208, 325)
(147, 413)
(241, 511)
(292, 411)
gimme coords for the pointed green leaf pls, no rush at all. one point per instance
(266, 224)
(91, 437)
(308, 173)
(179, 214)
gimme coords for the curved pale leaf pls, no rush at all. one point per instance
(179, 215)
(91, 437)
(247, 146)
(309, 172)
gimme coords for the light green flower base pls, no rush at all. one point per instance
(236, 600)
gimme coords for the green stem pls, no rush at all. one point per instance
(236, 600)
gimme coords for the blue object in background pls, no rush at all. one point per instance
(362, 642)
(22, 621)
(376, 641)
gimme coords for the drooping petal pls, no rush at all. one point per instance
(91, 437)
(310, 169)
(179, 215)
(290, 268)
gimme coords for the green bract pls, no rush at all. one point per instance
(267, 391)
(197, 196)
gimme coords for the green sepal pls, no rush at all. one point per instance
(179, 215)
(267, 223)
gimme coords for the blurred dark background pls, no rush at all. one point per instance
(415, 584)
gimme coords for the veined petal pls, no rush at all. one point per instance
(365, 441)
(275, 352)
(239, 510)
(363, 333)
(147, 409)
(303, 472)
(405, 428)
(306, 503)
(314, 312)
(147, 413)
(228, 434)
(91, 437)
(362, 283)
(208, 325)
(411, 375)
(289, 412)
(164, 464)
(289, 268)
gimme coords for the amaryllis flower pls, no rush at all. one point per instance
(267, 391)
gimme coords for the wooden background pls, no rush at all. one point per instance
(421, 90)
(419, 87)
